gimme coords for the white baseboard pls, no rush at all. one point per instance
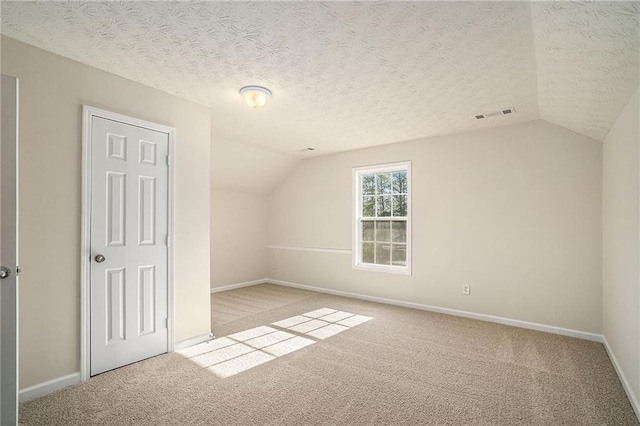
(45, 388)
(633, 399)
(483, 317)
(238, 285)
(193, 341)
(50, 386)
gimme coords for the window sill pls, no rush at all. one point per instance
(384, 269)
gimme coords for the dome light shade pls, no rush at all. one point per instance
(255, 96)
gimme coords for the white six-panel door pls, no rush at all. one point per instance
(129, 228)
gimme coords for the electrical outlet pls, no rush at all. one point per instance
(466, 289)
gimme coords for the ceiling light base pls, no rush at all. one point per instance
(255, 96)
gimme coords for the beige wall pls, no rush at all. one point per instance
(52, 92)
(242, 175)
(621, 247)
(513, 211)
(247, 168)
(238, 238)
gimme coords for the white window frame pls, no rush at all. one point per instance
(357, 212)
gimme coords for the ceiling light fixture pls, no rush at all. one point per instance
(255, 96)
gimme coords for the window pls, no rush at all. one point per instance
(382, 218)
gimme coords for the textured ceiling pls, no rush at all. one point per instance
(347, 75)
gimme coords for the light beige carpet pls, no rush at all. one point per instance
(402, 367)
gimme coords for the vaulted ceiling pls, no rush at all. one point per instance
(346, 75)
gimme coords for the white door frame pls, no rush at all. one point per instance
(88, 112)
(10, 290)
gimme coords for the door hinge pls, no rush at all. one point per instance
(167, 160)
(166, 323)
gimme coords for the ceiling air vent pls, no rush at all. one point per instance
(496, 113)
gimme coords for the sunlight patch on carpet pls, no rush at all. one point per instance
(238, 352)
(322, 323)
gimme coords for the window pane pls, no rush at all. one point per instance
(381, 225)
(399, 231)
(383, 206)
(368, 231)
(382, 230)
(368, 184)
(368, 206)
(400, 205)
(384, 183)
(368, 252)
(399, 255)
(383, 254)
(400, 182)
